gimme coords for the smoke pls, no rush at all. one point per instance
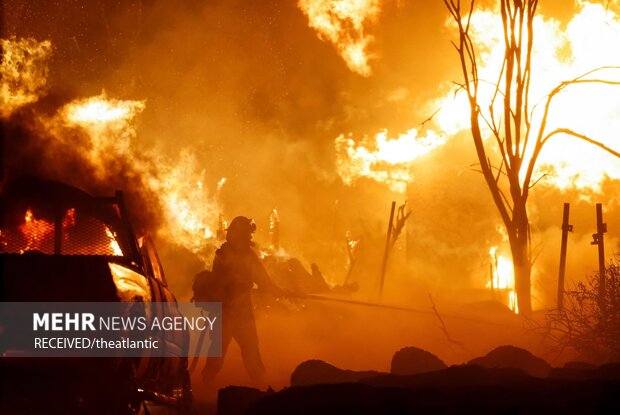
(247, 91)
(33, 148)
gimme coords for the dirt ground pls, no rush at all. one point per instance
(365, 338)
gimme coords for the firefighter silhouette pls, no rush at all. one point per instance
(238, 268)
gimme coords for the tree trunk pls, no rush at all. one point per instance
(518, 232)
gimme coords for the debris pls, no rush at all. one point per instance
(315, 372)
(514, 357)
(411, 361)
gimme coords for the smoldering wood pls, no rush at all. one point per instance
(395, 228)
(401, 220)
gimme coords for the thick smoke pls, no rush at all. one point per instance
(35, 147)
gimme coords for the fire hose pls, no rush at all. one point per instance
(315, 297)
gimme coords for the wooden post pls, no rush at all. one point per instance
(386, 253)
(566, 228)
(601, 228)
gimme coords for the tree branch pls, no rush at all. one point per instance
(582, 137)
(542, 139)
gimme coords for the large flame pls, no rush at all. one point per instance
(383, 159)
(343, 23)
(190, 211)
(23, 72)
(590, 40)
(108, 124)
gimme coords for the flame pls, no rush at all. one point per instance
(98, 112)
(274, 228)
(502, 277)
(116, 248)
(23, 72)
(221, 230)
(351, 243)
(588, 41)
(190, 212)
(69, 219)
(343, 23)
(385, 160)
(274, 220)
(36, 231)
(108, 124)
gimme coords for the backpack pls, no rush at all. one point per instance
(208, 287)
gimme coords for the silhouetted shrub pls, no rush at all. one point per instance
(589, 322)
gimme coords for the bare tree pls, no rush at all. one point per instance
(518, 141)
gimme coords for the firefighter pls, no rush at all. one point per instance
(238, 267)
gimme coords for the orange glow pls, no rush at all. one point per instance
(560, 54)
(108, 124)
(274, 228)
(352, 243)
(69, 219)
(100, 112)
(344, 24)
(116, 248)
(503, 278)
(36, 231)
(274, 220)
(130, 285)
(191, 212)
(385, 160)
(23, 72)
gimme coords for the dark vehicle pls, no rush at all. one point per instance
(59, 244)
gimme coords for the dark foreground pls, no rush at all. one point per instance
(457, 389)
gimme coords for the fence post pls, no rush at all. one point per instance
(566, 228)
(386, 253)
(598, 239)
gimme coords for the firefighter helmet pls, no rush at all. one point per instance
(240, 225)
